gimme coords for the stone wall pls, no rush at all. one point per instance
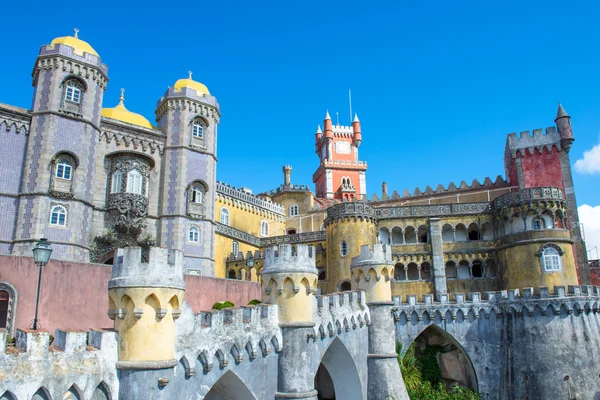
(74, 295)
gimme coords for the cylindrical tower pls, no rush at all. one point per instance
(144, 302)
(348, 226)
(535, 247)
(372, 271)
(289, 279)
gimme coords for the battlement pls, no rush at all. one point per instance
(377, 254)
(353, 164)
(340, 312)
(33, 364)
(164, 268)
(527, 195)
(533, 140)
(232, 334)
(68, 51)
(239, 194)
(349, 209)
(488, 184)
(288, 258)
(173, 94)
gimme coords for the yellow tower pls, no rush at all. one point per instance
(371, 271)
(289, 279)
(348, 226)
(144, 301)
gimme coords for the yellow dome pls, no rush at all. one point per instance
(120, 113)
(192, 84)
(78, 45)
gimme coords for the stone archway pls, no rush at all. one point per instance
(337, 376)
(8, 307)
(229, 387)
(455, 364)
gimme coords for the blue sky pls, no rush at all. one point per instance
(437, 85)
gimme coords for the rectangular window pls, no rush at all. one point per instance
(134, 183)
(73, 94)
(63, 171)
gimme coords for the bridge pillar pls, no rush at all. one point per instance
(437, 257)
(372, 272)
(290, 280)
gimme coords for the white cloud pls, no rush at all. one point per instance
(590, 218)
(590, 163)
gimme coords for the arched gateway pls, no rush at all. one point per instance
(337, 376)
(229, 387)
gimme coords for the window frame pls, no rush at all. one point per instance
(235, 248)
(194, 234)
(294, 210)
(264, 228)
(196, 189)
(63, 165)
(343, 248)
(198, 129)
(227, 213)
(551, 262)
(76, 92)
(64, 215)
(135, 180)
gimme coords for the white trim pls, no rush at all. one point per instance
(224, 216)
(64, 212)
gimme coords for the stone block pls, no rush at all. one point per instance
(459, 298)
(103, 339)
(527, 292)
(411, 299)
(397, 300)
(574, 290)
(427, 298)
(33, 342)
(543, 292)
(559, 291)
(475, 297)
(70, 341)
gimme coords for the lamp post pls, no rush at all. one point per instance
(41, 255)
(250, 264)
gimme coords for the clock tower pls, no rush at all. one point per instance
(340, 174)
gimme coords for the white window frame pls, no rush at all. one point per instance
(343, 248)
(198, 129)
(64, 170)
(73, 93)
(224, 216)
(116, 185)
(540, 223)
(194, 234)
(135, 182)
(235, 248)
(294, 210)
(551, 259)
(60, 211)
(264, 228)
(197, 192)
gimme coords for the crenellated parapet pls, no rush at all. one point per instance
(77, 362)
(289, 279)
(349, 211)
(337, 313)
(531, 141)
(372, 271)
(144, 302)
(216, 338)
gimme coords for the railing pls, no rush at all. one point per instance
(234, 233)
(527, 195)
(432, 210)
(249, 198)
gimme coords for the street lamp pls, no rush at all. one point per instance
(41, 255)
(249, 264)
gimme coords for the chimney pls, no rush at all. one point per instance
(384, 191)
(287, 174)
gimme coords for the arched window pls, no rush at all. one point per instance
(134, 182)
(4, 301)
(399, 272)
(343, 248)
(322, 273)
(451, 272)
(477, 269)
(224, 216)
(58, 216)
(198, 129)
(551, 259)
(73, 91)
(426, 271)
(384, 236)
(537, 223)
(231, 274)
(464, 272)
(117, 182)
(194, 234)
(235, 248)
(64, 168)
(264, 228)
(294, 210)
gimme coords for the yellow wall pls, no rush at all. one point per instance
(293, 306)
(376, 290)
(148, 338)
(419, 288)
(356, 232)
(522, 267)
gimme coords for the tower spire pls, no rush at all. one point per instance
(122, 97)
(561, 112)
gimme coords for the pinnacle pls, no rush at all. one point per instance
(356, 118)
(561, 112)
(327, 117)
(319, 129)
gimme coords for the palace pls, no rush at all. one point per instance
(343, 277)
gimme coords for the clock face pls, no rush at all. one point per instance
(342, 147)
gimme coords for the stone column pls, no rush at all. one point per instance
(372, 271)
(437, 257)
(290, 280)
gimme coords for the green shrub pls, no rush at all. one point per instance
(427, 391)
(408, 366)
(221, 305)
(253, 302)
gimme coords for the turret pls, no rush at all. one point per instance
(563, 125)
(356, 129)
(289, 279)
(287, 175)
(144, 302)
(318, 137)
(328, 127)
(372, 270)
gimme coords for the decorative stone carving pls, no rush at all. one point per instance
(128, 211)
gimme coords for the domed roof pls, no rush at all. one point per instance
(77, 44)
(192, 84)
(120, 113)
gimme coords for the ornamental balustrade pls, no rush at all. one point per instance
(527, 195)
(249, 198)
(432, 210)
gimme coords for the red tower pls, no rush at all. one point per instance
(340, 174)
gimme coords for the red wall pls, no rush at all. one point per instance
(541, 169)
(75, 296)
